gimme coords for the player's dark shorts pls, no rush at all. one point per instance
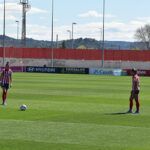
(134, 93)
(5, 85)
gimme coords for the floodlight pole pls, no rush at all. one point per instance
(52, 32)
(17, 29)
(74, 23)
(100, 39)
(103, 43)
(4, 18)
(25, 8)
(56, 40)
(69, 31)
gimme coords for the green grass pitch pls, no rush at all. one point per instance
(74, 112)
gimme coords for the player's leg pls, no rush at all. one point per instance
(137, 102)
(131, 102)
(4, 96)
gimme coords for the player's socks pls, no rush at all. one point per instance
(137, 106)
(131, 105)
(4, 98)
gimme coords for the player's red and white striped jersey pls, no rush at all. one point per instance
(135, 82)
(6, 76)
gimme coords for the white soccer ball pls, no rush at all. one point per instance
(23, 107)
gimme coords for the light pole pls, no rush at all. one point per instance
(56, 40)
(17, 29)
(69, 31)
(4, 17)
(74, 23)
(103, 43)
(52, 49)
(100, 40)
(25, 8)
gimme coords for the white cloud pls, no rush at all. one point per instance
(95, 14)
(37, 10)
(147, 19)
(91, 13)
(11, 9)
(114, 30)
(14, 12)
(14, 9)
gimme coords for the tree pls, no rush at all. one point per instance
(143, 35)
(63, 44)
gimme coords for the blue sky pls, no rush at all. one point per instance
(122, 19)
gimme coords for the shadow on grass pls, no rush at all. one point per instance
(118, 113)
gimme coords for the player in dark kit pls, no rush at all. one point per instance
(135, 91)
(6, 82)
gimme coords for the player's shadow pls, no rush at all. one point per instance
(117, 113)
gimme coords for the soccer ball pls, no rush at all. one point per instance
(23, 107)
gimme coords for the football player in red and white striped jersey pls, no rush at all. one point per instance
(6, 81)
(135, 91)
